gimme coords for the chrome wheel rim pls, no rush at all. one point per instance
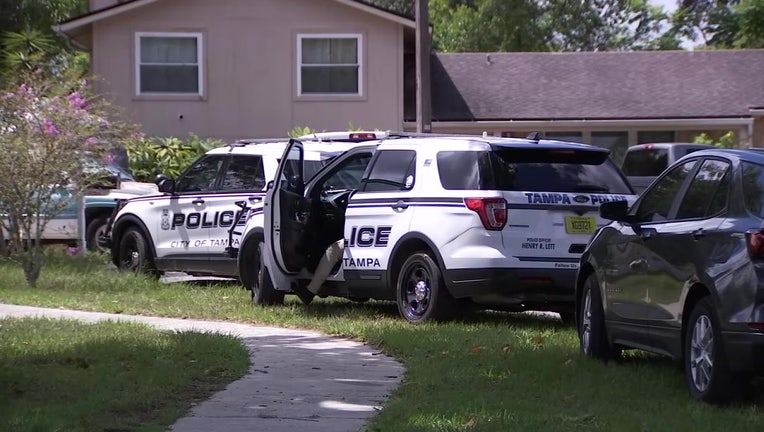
(701, 353)
(131, 256)
(417, 291)
(101, 231)
(586, 323)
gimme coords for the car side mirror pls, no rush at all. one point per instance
(269, 185)
(615, 210)
(165, 184)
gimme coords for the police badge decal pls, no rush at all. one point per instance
(165, 219)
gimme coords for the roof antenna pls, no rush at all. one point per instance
(534, 136)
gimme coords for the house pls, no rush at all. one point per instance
(247, 68)
(257, 68)
(610, 99)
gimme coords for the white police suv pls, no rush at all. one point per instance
(186, 227)
(432, 222)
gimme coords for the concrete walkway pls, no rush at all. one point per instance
(298, 380)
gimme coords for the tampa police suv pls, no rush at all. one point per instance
(186, 227)
(433, 222)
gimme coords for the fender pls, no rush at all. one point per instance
(254, 232)
(119, 226)
(430, 245)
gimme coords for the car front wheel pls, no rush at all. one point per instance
(263, 291)
(134, 254)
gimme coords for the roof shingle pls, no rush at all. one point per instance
(595, 85)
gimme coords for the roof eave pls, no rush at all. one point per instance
(407, 22)
(89, 18)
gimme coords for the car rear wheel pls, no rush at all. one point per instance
(95, 228)
(707, 371)
(134, 254)
(421, 292)
(592, 333)
(263, 291)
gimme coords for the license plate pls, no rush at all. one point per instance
(580, 224)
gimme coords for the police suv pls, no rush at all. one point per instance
(186, 226)
(436, 222)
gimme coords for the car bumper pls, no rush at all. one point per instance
(512, 287)
(745, 351)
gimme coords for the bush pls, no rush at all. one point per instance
(150, 156)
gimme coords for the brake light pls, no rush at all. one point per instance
(363, 136)
(756, 326)
(492, 211)
(754, 240)
(647, 147)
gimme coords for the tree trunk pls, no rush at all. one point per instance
(32, 263)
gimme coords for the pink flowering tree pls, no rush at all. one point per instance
(52, 138)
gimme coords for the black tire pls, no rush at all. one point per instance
(134, 254)
(421, 292)
(709, 379)
(592, 333)
(96, 227)
(263, 291)
(248, 262)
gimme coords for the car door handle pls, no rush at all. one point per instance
(400, 205)
(197, 201)
(647, 233)
(698, 233)
(254, 199)
(639, 265)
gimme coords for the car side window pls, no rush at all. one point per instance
(347, 175)
(707, 194)
(656, 202)
(244, 173)
(753, 188)
(201, 176)
(393, 170)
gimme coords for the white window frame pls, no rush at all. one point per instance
(199, 61)
(359, 51)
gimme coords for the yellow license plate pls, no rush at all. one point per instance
(580, 225)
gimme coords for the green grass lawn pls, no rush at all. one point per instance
(489, 372)
(63, 375)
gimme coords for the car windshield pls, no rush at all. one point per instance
(533, 171)
(645, 162)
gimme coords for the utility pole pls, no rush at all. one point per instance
(423, 92)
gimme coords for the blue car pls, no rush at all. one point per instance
(681, 273)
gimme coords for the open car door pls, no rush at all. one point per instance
(286, 216)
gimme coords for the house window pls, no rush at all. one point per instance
(655, 137)
(168, 63)
(565, 136)
(329, 64)
(617, 142)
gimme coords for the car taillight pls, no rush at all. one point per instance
(362, 136)
(492, 211)
(754, 240)
(756, 326)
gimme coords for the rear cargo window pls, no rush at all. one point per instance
(645, 163)
(532, 171)
(753, 188)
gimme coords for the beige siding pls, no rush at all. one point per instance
(758, 132)
(250, 67)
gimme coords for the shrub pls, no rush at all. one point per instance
(150, 156)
